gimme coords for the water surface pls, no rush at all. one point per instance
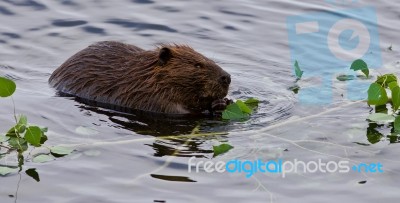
(121, 158)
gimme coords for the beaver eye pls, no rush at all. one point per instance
(198, 65)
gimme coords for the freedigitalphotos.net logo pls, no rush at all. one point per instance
(326, 43)
(279, 166)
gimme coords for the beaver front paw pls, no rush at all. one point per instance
(219, 105)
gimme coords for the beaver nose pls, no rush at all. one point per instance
(225, 79)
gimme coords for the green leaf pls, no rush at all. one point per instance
(22, 123)
(7, 87)
(20, 127)
(32, 173)
(297, 70)
(62, 151)
(366, 72)
(19, 144)
(42, 158)
(396, 124)
(359, 64)
(384, 80)
(243, 107)
(345, 77)
(12, 131)
(396, 98)
(44, 130)
(377, 95)
(233, 112)
(222, 148)
(6, 170)
(23, 120)
(391, 85)
(381, 117)
(43, 139)
(33, 135)
(252, 101)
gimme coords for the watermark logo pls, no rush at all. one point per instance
(326, 43)
(279, 166)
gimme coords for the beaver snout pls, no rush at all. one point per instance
(225, 79)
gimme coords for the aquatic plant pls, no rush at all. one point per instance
(23, 135)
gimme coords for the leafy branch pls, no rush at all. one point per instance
(23, 135)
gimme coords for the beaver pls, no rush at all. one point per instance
(172, 79)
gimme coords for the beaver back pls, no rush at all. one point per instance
(167, 80)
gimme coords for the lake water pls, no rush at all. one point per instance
(128, 158)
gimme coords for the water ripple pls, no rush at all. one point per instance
(140, 26)
(5, 11)
(28, 3)
(94, 30)
(68, 23)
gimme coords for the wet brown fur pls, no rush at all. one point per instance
(180, 81)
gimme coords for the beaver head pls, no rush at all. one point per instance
(193, 81)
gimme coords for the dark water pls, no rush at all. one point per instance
(127, 158)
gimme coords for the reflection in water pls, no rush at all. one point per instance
(173, 178)
(161, 125)
(373, 135)
(376, 133)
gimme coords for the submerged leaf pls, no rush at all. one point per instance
(61, 151)
(42, 158)
(345, 77)
(381, 117)
(6, 170)
(222, 148)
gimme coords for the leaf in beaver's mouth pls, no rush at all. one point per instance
(233, 112)
(240, 109)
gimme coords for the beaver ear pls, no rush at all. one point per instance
(164, 55)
